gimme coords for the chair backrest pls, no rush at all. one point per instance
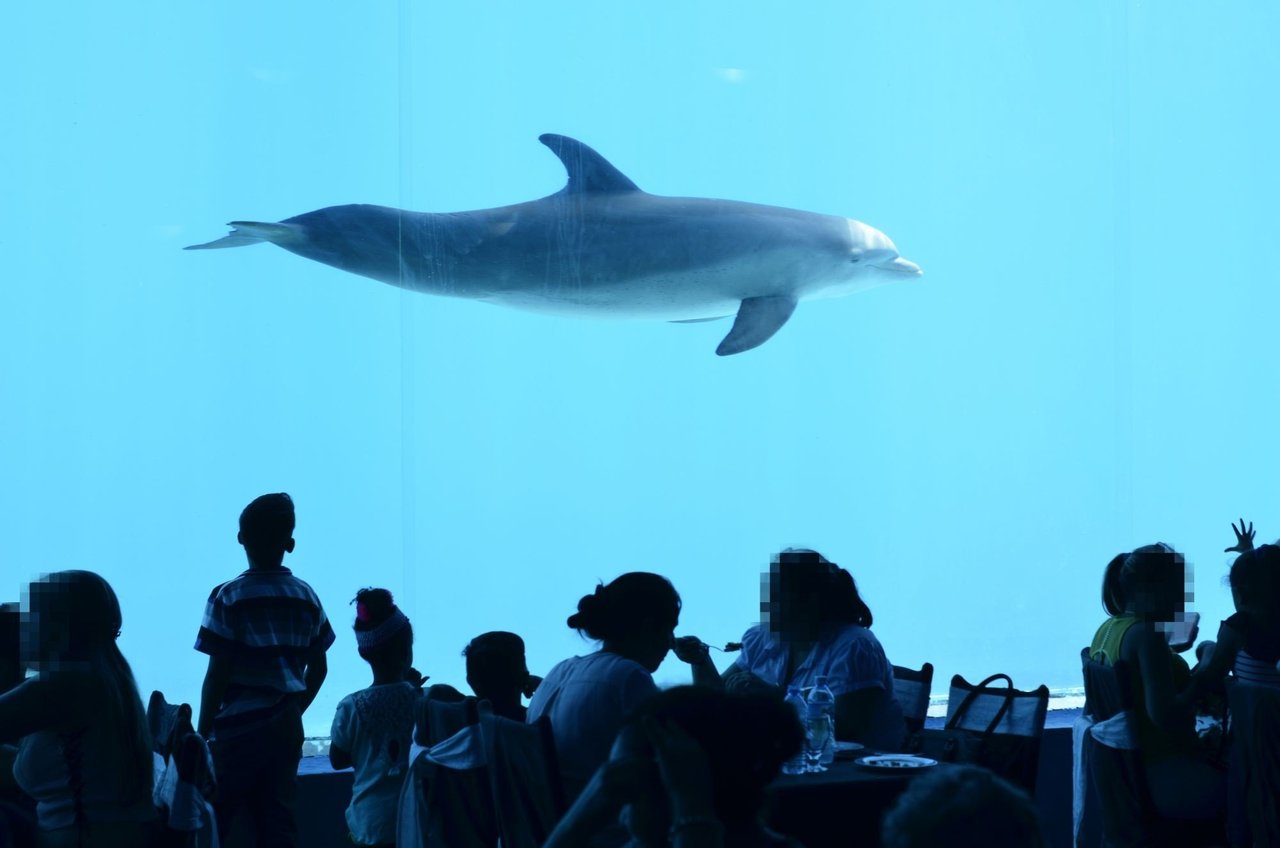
(514, 796)
(1000, 709)
(911, 688)
(185, 784)
(167, 723)
(1107, 689)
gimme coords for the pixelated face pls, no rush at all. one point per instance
(1165, 597)
(45, 623)
(787, 607)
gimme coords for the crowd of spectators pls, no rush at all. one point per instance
(687, 766)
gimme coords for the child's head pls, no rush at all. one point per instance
(69, 616)
(496, 669)
(1155, 582)
(384, 636)
(1255, 582)
(266, 529)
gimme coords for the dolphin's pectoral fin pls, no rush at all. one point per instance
(758, 319)
(588, 170)
(699, 320)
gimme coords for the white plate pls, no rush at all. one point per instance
(896, 761)
(849, 747)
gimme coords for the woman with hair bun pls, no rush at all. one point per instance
(587, 698)
(815, 624)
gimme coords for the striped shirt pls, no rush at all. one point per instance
(1255, 672)
(268, 623)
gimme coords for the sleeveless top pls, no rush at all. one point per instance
(1155, 743)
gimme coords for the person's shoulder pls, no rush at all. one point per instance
(615, 664)
(227, 587)
(1141, 635)
(1241, 622)
(854, 634)
(755, 636)
(277, 582)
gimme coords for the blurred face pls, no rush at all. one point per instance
(46, 635)
(1165, 597)
(793, 612)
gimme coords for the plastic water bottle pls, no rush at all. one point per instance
(796, 701)
(821, 706)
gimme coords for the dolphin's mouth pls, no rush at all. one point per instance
(902, 266)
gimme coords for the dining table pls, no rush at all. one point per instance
(842, 806)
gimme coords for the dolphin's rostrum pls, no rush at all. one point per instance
(602, 247)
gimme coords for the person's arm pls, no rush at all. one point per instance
(42, 703)
(612, 786)
(691, 650)
(338, 758)
(341, 735)
(317, 671)
(1210, 674)
(1151, 652)
(686, 775)
(216, 679)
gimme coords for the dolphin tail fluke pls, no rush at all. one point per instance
(250, 232)
(758, 319)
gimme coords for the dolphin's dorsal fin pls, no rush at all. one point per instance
(589, 172)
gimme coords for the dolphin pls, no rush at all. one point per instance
(602, 247)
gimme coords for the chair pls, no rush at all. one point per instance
(479, 780)
(1002, 711)
(1116, 774)
(1255, 754)
(911, 688)
(185, 785)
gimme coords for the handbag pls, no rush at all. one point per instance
(1009, 755)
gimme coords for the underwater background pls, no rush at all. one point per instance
(1088, 363)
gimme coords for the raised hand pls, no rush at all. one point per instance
(1244, 538)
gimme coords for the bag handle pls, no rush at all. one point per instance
(973, 694)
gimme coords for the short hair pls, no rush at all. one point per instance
(267, 522)
(496, 662)
(962, 807)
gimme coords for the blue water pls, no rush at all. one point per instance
(1087, 364)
